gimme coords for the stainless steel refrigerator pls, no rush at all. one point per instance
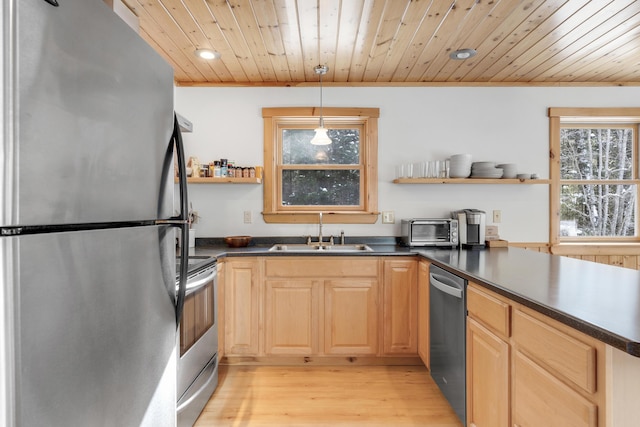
(87, 245)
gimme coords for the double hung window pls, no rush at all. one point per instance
(594, 174)
(302, 179)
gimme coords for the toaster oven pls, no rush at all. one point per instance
(429, 232)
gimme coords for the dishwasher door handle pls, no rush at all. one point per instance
(447, 289)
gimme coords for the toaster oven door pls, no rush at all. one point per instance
(431, 233)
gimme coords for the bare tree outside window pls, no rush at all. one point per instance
(595, 200)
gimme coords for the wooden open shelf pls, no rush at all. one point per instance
(227, 180)
(469, 181)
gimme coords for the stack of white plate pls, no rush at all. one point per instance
(510, 170)
(460, 166)
(485, 170)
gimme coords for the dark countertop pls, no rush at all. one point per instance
(600, 300)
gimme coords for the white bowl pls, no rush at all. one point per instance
(459, 171)
(461, 157)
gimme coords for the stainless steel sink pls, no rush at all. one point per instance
(320, 248)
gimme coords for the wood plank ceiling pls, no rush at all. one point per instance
(396, 42)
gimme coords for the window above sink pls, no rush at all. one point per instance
(301, 179)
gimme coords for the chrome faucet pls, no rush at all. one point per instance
(320, 229)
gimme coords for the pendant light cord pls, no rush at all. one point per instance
(321, 115)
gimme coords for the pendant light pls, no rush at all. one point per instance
(321, 137)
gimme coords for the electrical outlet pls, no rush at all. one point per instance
(497, 216)
(388, 217)
(247, 217)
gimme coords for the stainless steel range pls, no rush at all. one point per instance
(198, 364)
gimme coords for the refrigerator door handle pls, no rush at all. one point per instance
(181, 219)
(177, 222)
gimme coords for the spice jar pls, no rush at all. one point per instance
(223, 168)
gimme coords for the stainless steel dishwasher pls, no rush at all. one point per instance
(447, 320)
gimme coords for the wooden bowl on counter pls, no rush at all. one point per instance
(237, 241)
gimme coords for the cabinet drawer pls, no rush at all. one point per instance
(565, 356)
(489, 310)
(540, 399)
(321, 267)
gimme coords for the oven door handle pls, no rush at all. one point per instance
(447, 289)
(200, 282)
(202, 389)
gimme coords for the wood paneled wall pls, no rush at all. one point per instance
(627, 256)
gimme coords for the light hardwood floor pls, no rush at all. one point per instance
(326, 396)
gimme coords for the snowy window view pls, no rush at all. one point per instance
(321, 175)
(598, 194)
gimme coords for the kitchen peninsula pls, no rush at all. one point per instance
(596, 307)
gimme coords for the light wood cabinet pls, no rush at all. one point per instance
(400, 318)
(242, 307)
(321, 306)
(423, 311)
(566, 357)
(291, 316)
(220, 305)
(487, 377)
(558, 374)
(351, 316)
(525, 369)
(487, 359)
(541, 399)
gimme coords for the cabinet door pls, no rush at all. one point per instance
(487, 378)
(242, 307)
(400, 306)
(351, 316)
(423, 311)
(291, 316)
(541, 399)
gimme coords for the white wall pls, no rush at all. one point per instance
(503, 124)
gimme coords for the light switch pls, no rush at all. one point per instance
(388, 217)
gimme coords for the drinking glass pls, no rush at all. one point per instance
(435, 169)
(409, 170)
(442, 169)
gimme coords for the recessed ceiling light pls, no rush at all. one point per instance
(462, 54)
(207, 53)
